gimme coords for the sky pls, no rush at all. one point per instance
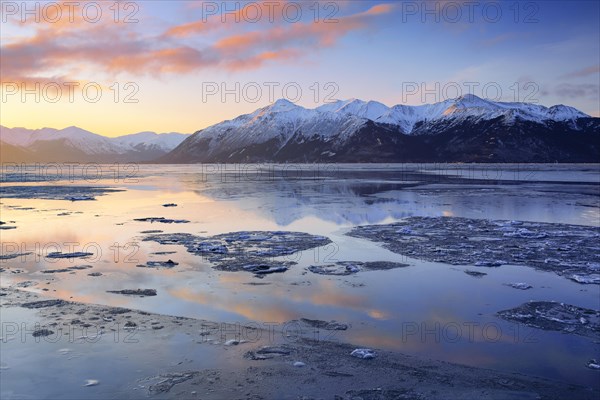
(116, 68)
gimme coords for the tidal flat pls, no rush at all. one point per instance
(303, 281)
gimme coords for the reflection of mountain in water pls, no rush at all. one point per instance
(342, 203)
(374, 197)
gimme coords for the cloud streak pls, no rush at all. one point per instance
(592, 70)
(113, 48)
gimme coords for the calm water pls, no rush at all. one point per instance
(427, 309)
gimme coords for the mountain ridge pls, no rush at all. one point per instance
(74, 144)
(464, 129)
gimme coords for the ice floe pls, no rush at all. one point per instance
(343, 268)
(553, 316)
(519, 285)
(572, 251)
(250, 251)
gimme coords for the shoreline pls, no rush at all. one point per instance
(268, 369)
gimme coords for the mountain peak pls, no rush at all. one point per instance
(562, 112)
(283, 104)
(363, 109)
(470, 100)
(469, 97)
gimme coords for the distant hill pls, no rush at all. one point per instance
(74, 144)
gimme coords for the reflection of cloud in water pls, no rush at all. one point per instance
(254, 311)
(282, 305)
(377, 314)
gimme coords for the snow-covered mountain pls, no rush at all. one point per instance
(468, 106)
(464, 129)
(355, 130)
(76, 144)
(73, 136)
(146, 140)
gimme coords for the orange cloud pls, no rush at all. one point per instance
(223, 17)
(66, 49)
(260, 59)
(186, 29)
(301, 33)
(379, 9)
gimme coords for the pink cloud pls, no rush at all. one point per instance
(113, 48)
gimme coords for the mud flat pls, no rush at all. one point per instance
(290, 369)
(572, 251)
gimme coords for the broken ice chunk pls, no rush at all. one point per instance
(365, 354)
(593, 364)
(526, 234)
(330, 326)
(585, 279)
(494, 263)
(263, 269)
(80, 198)
(475, 273)
(76, 254)
(519, 285)
(352, 268)
(208, 247)
(13, 255)
(152, 264)
(135, 292)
